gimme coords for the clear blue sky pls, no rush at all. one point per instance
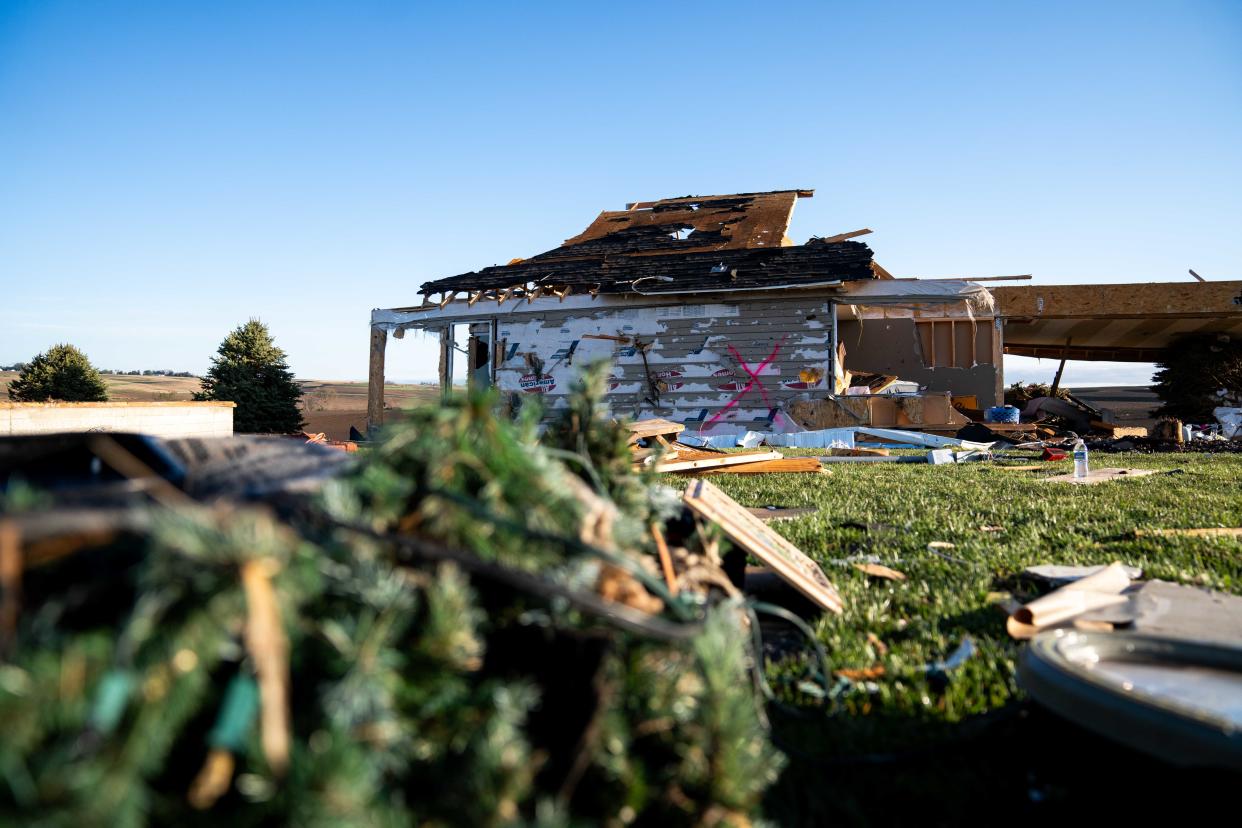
(168, 169)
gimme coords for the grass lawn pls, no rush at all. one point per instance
(946, 751)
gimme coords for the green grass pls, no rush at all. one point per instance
(921, 620)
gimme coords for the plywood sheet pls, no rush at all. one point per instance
(1099, 476)
(752, 535)
(721, 222)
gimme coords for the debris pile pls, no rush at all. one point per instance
(456, 626)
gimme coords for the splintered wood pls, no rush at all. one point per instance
(753, 536)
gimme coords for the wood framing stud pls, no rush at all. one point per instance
(375, 380)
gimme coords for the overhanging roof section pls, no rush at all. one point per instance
(1127, 323)
(678, 245)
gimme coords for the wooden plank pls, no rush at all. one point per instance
(705, 461)
(753, 536)
(1208, 532)
(1119, 431)
(840, 237)
(786, 465)
(649, 428)
(1099, 476)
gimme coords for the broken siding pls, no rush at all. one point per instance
(699, 358)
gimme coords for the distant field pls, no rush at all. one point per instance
(130, 389)
(333, 406)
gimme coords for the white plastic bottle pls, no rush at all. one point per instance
(1080, 458)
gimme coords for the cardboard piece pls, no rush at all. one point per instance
(1099, 476)
(753, 536)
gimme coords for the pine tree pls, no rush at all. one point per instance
(251, 371)
(1197, 375)
(61, 373)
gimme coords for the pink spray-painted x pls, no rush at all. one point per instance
(754, 382)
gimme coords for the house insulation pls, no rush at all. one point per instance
(708, 314)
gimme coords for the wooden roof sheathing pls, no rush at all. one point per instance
(702, 223)
(1129, 322)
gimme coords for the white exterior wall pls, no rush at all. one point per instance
(159, 419)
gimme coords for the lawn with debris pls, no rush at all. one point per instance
(901, 728)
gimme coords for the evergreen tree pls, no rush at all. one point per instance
(423, 643)
(61, 373)
(1198, 374)
(251, 371)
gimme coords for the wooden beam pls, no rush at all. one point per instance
(375, 380)
(1056, 381)
(840, 237)
(501, 297)
(1197, 276)
(1166, 300)
(448, 297)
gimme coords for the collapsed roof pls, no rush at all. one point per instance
(678, 245)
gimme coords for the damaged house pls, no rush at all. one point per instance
(711, 316)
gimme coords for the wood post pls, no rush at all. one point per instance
(998, 360)
(446, 360)
(1056, 382)
(375, 380)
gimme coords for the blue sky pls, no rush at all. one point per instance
(168, 170)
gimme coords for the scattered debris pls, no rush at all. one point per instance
(780, 513)
(1101, 589)
(861, 673)
(938, 671)
(858, 452)
(937, 548)
(876, 570)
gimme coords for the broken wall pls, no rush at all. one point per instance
(719, 366)
(942, 353)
